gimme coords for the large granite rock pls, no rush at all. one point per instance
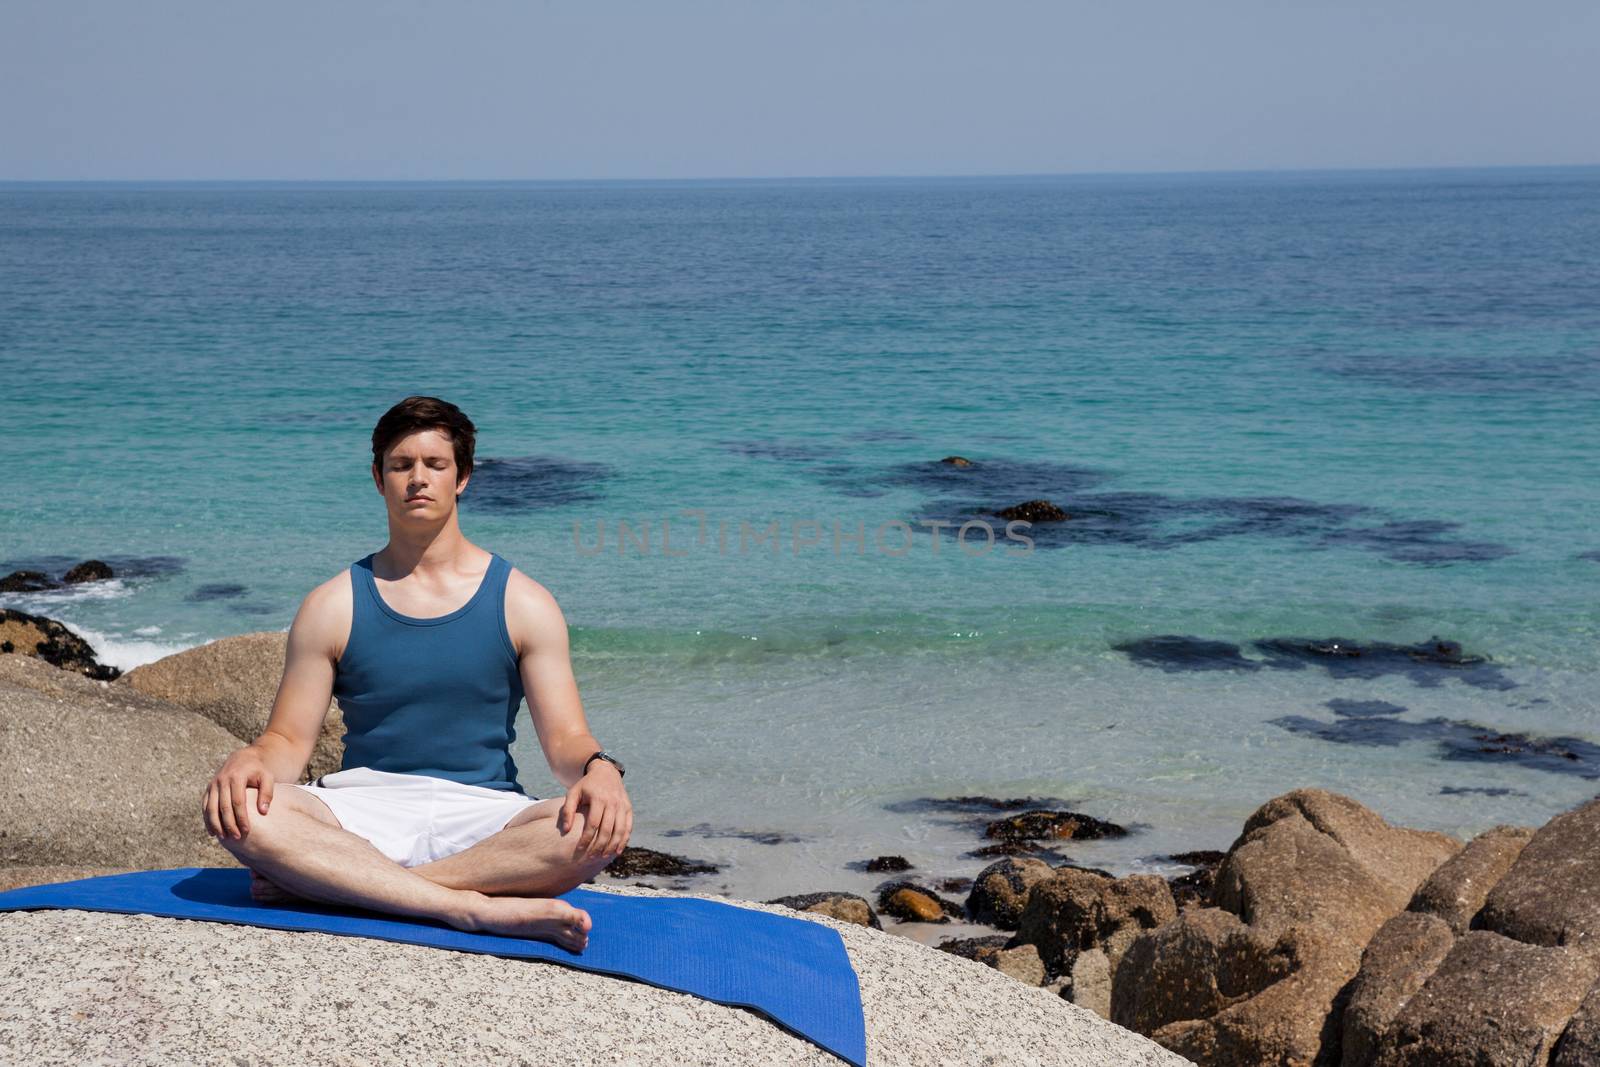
(1258, 979)
(1457, 890)
(1497, 961)
(92, 987)
(233, 682)
(1492, 1001)
(93, 775)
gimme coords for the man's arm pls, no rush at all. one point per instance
(539, 634)
(306, 690)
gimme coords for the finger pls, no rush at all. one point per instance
(602, 834)
(614, 838)
(591, 826)
(627, 833)
(225, 811)
(208, 808)
(565, 820)
(241, 806)
(264, 792)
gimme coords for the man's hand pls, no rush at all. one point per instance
(608, 813)
(226, 807)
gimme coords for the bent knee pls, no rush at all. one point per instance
(256, 826)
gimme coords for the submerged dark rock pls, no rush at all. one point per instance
(888, 864)
(217, 591)
(970, 804)
(1178, 652)
(512, 484)
(1427, 663)
(1458, 741)
(760, 837)
(1033, 511)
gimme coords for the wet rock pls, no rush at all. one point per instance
(1195, 889)
(953, 885)
(1002, 849)
(1042, 825)
(27, 582)
(50, 641)
(969, 947)
(909, 902)
(635, 861)
(846, 907)
(888, 864)
(956, 461)
(90, 570)
(1001, 889)
(1073, 911)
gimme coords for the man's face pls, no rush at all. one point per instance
(419, 475)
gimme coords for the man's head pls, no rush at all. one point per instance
(423, 446)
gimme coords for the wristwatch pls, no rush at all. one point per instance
(622, 772)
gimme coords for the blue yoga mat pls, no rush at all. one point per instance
(792, 971)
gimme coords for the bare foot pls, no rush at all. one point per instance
(269, 892)
(538, 918)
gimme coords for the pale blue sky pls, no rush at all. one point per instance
(111, 89)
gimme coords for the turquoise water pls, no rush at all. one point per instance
(1353, 405)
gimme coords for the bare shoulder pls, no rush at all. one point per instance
(533, 618)
(326, 614)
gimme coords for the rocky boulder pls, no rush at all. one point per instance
(97, 776)
(1001, 889)
(1311, 878)
(1496, 961)
(1075, 910)
(234, 682)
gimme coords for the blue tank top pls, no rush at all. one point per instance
(432, 696)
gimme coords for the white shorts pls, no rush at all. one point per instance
(415, 818)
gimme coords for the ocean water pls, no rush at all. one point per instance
(1279, 408)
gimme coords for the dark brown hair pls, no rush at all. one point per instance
(426, 413)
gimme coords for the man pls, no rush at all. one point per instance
(430, 645)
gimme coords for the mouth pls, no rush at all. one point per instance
(419, 499)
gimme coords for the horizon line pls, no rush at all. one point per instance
(965, 176)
